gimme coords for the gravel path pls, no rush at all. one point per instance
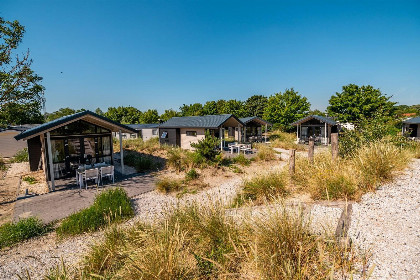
(388, 224)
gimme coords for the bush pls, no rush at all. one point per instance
(21, 156)
(242, 160)
(2, 164)
(110, 206)
(207, 147)
(167, 185)
(261, 188)
(191, 175)
(180, 159)
(12, 233)
(284, 140)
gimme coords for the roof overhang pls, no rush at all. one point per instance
(415, 120)
(319, 118)
(257, 120)
(85, 115)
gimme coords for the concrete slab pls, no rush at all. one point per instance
(60, 204)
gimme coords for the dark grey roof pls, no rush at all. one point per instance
(249, 119)
(320, 118)
(143, 125)
(66, 119)
(22, 127)
(415, 120)
(209, 121)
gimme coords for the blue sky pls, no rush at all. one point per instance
(162, 54)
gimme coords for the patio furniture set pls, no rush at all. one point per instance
(95, 172)
(246, 148)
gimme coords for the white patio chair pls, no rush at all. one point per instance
(107, 172)
(91, 174)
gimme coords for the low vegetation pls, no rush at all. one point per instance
(12, 233)
(284, 140)
(203, 243)
(265, 153)
(139, 161)
(110, 206)
(21, 156)
(30, 180)
(2, 164)
(168, 185)
(262, 188)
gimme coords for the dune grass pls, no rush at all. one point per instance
(110, 206)
(262, 188)
(202, 242)
(12, 233)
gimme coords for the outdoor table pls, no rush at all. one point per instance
(81, 170)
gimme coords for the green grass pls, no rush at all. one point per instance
(241, 160)
(192, 175)
(31, 180)
(2, 164)
(110, 206)
(262, 188)
(21, 156)
(12, 233)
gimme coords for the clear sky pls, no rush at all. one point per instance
(161, 54)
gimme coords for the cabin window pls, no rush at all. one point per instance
(154, 132)
(133, 135)
(191, 133)
(164, 135)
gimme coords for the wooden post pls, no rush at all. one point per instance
(292, 159)
(297, 133)
(50, 162)
(311, 150)
(334, 145)
(121, 153)
(325, 136)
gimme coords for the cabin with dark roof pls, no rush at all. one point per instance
(182, 131)
(318, 127)
(411, 128)
(60, 146)
(253, 129)
(145, 131)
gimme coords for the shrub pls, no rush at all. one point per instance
(191, 175)
(284, 140)
(242, 160)
(207, 147)
(263, 187)
(12, 233)
(21, 156)
(110, 206)
(167, 185)
(180, 159)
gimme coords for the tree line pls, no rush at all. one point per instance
(22, 98)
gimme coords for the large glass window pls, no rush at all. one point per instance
(57, 150)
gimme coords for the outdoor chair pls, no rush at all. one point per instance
(107, 172)
(91, 174)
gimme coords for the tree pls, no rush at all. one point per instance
(195, 109)
(255, 105)
(150, 116)
(285, 108)
(14, 113)
(19, 85)
(234, 107)
(99, 111)
(317, 112)
(169, 114)
(62, 112)
(210, 108)
(127, 115)
(356, 103)
(207, 147)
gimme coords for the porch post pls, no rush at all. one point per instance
(221, 138)
(50, 162)
(297, 133)
(244, 134)
(239, 134)
(43, 157)
(121, 154)
(265, 137)
(326, 141)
